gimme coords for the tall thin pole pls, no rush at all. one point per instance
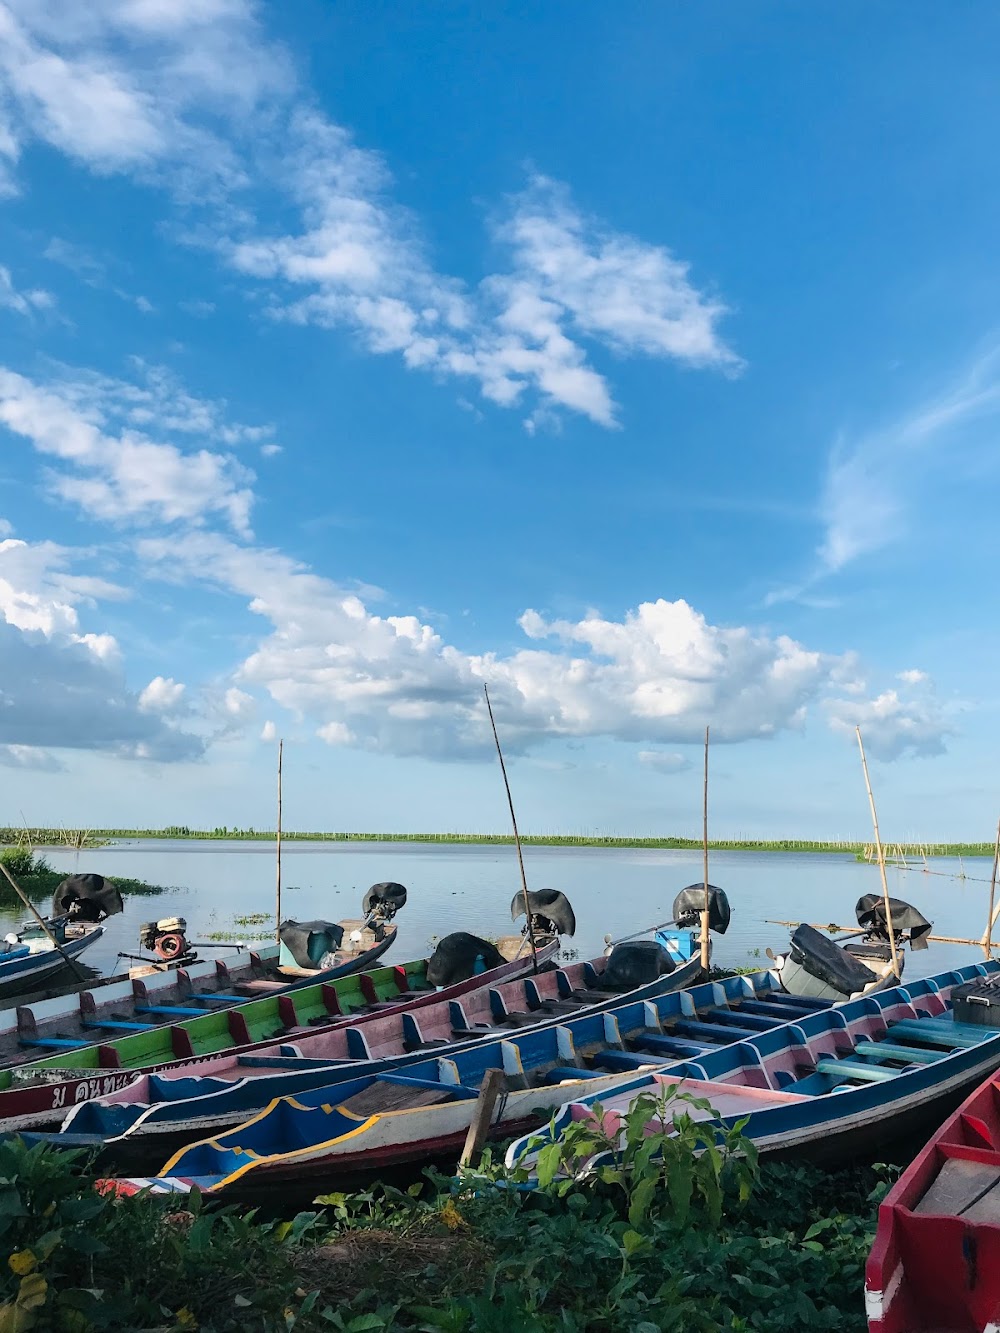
(988, 937)
(517, 836)
(881, 858)
(706, 944)
(81, 976)
(277, 923)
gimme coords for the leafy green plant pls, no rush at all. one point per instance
(21, 862)
(657, 1150)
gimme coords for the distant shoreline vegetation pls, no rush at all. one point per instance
(80, 839)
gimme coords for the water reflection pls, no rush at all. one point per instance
(457, 887)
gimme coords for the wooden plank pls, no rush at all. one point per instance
(492, 1086)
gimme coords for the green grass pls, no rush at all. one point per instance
(42, 882)
(47, 837)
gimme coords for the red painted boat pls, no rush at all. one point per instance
(935, 1264)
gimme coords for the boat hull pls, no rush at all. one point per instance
(21, 974)
(935, 1263)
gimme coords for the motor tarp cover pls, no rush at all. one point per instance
(824, 959)
(690, 903)
(87, 898)
(870, 912)
(635, 963)
(298, 937)
(387, 893)
(549, 904)
(456, 956)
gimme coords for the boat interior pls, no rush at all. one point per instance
(868, 1041)
(943, 1232)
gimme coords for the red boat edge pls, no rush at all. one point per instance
(935, 1263)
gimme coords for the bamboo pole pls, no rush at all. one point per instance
(517, 836)
(881, 859)
(991, 915)
(277, 920)
(852, 930)
(706, 943)
(992, 912)
(41, 921)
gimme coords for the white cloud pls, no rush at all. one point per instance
(893, 726)
(199, 309)
(118, 86)
(615, 288)
(391, 683)
(269, 732)
(161, 695)
(238, 703)
(336, 733)
(365, 268)
(270, 450)
(61, 688)
(664, 761)
(913, 677)
(204, 105)
(24, 302)
(114, 471)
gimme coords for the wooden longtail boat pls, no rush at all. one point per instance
(30, 956)
(935, 1263)
(834, 1085)
(827, 969)
(141, 1004)
(328, 1131)
(46, 946)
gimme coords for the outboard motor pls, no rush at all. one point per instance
(381, 903)
(309, 945)
(907, 925)
(166, 938)
(635, 963)
(87, 897)
(681, 940)
(460, 956)
(551, 912)
(690, 903)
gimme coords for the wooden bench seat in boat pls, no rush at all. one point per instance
(687, 1027)
(886, 1050)
(844, 1070)
(936, 1033)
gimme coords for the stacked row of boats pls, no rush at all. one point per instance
(289, 1069)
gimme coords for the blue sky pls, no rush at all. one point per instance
(642, 361)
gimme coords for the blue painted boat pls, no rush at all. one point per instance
(836, 1085)
(29, 956)
(339, 1123)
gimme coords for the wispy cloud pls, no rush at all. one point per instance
(193, 97)
(24, 302)
(113, 470)
(876, 480)
(870, 480)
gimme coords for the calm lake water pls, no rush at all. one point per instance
(457, 887)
